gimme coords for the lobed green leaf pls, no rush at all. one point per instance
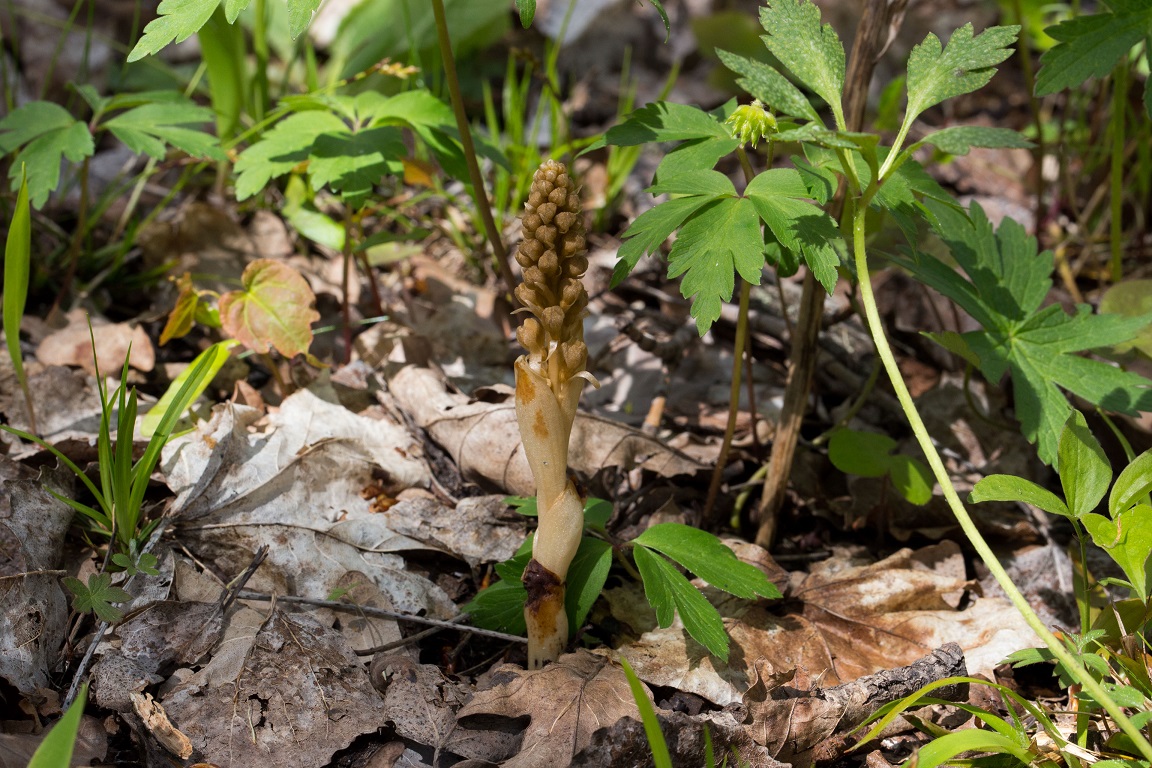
(1091, 45)
(722, 237)
(709, 558)
(46, 134)
(666, 121)
(769, 86)
(148, 128)
(177, 21)
(966, 64)
(812, 52)
(668, 592)
(958, 140)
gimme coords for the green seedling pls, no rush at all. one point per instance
(118, 513)
(97, 596)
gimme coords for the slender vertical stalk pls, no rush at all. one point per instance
(1024, 49)
(734, 396)
(884, 351)
(479, 195)
(1119, 116)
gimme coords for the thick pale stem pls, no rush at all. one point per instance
(868, 300)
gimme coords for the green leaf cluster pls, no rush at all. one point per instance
(42, 134)
(1085, 475)
(656, 553)
(348, 143)
(1007, 282)
(669, 591)
(119, 496)
(97, 596)
(720, 232)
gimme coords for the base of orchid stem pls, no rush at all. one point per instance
(544, 615)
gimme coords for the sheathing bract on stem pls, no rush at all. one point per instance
(549, 379)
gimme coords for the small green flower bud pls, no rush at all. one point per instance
(751, 122)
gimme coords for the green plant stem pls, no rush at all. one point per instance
(734, 405)
(260, 48)
(479, 195)
(872, 314)
(1119, 115)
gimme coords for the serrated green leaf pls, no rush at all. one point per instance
(860, 453)
(710, 184)
(283, 148)
(812, 52)
(722, 237)
(1084, 470)
(649, 231)
(1133, 485)
(669, 592)
(799, 225)
(769, 86)
(48, 134)
(300, 14)
(966, 64)
(233, 9)
(177, 21)
(957, 140)
(666, 121)
(1012, 488)
(1007, 282)
(1091, 45)
(97, 596)
(709, 558)
(148, 128)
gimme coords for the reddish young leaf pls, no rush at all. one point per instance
(275, 308)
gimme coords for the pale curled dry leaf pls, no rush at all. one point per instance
(300, 488)
(484, 439)
(72, 345)
(567, 702)
(156, 721)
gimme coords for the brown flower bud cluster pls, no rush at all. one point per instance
(553, 260)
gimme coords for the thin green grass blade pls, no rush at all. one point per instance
(17, 272)
(199, 375)
(660, 755)
(65, 461)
